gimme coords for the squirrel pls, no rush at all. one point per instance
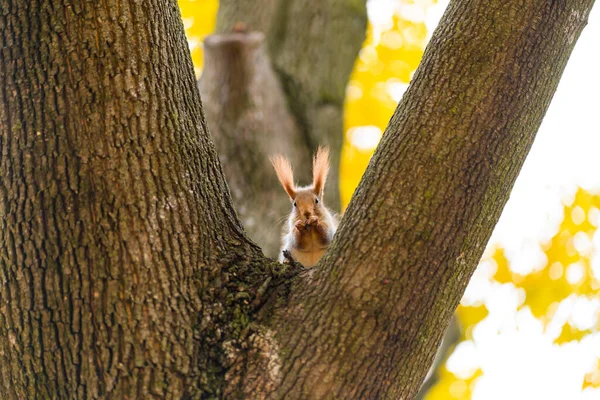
(310, 226)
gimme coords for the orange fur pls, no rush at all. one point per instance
(311, 226)
(285, 174)
(320, 169)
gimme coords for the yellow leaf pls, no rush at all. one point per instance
(570, 333)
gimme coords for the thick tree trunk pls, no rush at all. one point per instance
(113, 206)
(125, 272)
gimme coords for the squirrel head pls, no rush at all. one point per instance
(307, 201)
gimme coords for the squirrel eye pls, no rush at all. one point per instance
(316, 200)
(294, 204)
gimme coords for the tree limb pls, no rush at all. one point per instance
(427, 204)
(451, 338)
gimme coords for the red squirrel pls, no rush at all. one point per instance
(310, 226)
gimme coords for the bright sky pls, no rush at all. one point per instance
(515, 352)
(566, 152)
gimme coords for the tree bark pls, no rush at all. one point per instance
(366, 326)
(125, 272)
(113, 206)
(451, 338)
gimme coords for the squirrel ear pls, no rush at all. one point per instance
(285, 174)
(320, 169)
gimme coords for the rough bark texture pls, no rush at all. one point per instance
(250, 121)
(113, 206)
(302, 34)
(451, 337)
(124, 270)
(366, 323)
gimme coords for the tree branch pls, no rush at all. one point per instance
(451, 338)
(419, 221)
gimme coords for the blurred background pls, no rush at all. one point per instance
(530, 317)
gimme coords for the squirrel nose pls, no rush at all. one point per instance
(307, 214)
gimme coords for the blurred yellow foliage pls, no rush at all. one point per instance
(469, 317)
(382, 72)
(503, 273)
(570, 333)
(390, 55)
(592, 379)
(199, 19)
(569, 265)
(567, 274)
(449, 387)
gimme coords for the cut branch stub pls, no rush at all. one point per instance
(248, 118)
(231, 62)
(313, 46)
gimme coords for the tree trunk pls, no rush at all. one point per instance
(125, 272)
(301, 34)
(113, 206)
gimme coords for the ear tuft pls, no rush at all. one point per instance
(320, 169)
(285, 174)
